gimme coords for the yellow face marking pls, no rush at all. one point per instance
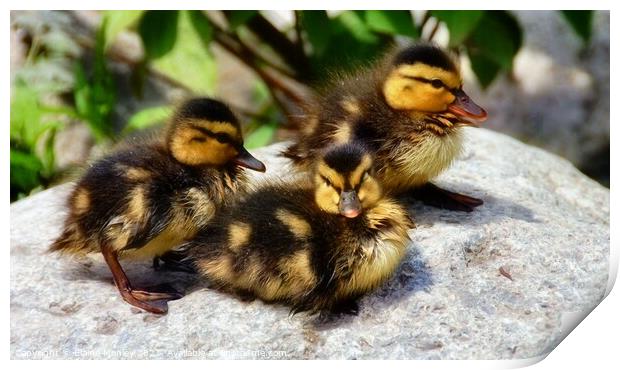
(403, 92)
(297, 225)
(217, 127)
(238, 235)
(356, 175)
(205, 151)
(81, 201)
(450, 79)
(342, 134)
(334, 177)
(370, 192)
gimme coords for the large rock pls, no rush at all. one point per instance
(498, 283)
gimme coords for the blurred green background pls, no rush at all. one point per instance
(83, 80)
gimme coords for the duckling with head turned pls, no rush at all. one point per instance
(410, 110)
(148, 197)
(316, 245)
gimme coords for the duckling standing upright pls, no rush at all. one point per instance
(143, 200)
(315, 245)
(409, 110)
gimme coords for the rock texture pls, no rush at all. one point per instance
(492, 284)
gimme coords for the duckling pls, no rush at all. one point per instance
(316, 245)
(146, 198)
(410, 110)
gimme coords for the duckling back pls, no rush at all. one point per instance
(282, 243)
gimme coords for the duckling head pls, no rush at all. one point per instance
(204, 132)
(425, 81)
(344, 181)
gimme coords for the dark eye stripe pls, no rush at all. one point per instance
(433, 82)
(219, 136)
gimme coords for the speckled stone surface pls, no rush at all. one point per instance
(544, 224)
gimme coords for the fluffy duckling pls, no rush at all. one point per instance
(317, 245)
(409, 110)
(149, 197)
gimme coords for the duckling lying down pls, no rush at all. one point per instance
(143, 200)
(316, 246)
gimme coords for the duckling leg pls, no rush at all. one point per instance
(433, 195)
(135, 298)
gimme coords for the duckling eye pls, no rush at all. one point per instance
(327, 182)
(199, 139)
(221, 138)
(436, 83)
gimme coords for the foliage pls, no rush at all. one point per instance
(580, 21)
(33, 129)
(34, 124)
(95, 98)
(178, 48)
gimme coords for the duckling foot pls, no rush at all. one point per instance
(137, 298)
(433, 195)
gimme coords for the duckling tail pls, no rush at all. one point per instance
(69, 242)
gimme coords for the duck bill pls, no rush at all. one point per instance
(245, 159)
(349, 205)
(465, 108)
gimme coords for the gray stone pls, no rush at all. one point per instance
(557, 96)
(493, 284)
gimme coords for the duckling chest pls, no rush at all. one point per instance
(414, 162)
(374, 264)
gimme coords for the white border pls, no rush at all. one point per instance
(594, 343)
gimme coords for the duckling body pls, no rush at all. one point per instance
(409, 110)
(148, 197)
(306, 244)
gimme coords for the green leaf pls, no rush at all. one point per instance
(28, 117)
(148, 117)
(25, 114)
(485, 69)
(189, 61)
(351, 44)
(117, 21)
(353, 22)
(94, 101)
(497, 37)
(261, 136)
(237, 18)
(158, 29)
(581, 22)
(316, 25)
(393, 22)
(25, 169)
(460, 23)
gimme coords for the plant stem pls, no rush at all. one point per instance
(282, 45)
